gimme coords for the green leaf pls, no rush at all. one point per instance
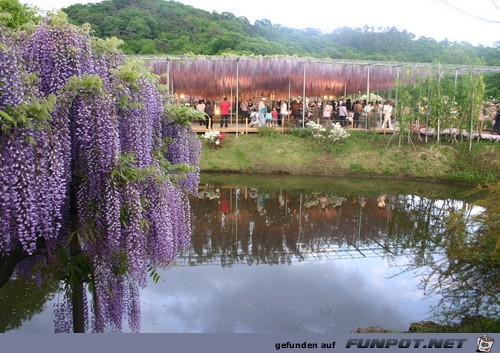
(7, 117)
(30, 140)
(153, 274)
(184, 115)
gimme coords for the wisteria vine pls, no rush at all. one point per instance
(97, 163)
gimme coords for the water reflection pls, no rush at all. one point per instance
(314, 296)
(267, 259)
(233, 225)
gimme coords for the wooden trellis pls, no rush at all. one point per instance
(280, 77)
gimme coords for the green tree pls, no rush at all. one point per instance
(148, 46)
(176, 28)
(492, 82)
(464, 54)
(112, 26)
(137, 28)
(180, 45)
(13, 14)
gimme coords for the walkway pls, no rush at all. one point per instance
(243, 127)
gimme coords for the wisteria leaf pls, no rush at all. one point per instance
(8, 118)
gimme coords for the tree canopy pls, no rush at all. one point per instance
(159, 26)
(14, 14)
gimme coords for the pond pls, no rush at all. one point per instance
(279, 254)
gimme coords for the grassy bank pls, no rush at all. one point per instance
(362, 154)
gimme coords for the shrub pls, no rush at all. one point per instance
(299, 132)
(267, 131)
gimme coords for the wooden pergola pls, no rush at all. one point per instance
(285, 77)
(290, 77)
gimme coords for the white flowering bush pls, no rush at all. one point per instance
(214, 138)
(317, 130)
(337, 133)
(334, 134)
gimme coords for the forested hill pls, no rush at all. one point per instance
(160, 26)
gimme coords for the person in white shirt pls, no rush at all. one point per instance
(342, 113)
(369, 115)
(368, 108)
(254, 118)
(327, 111)
(201, 108)
(283, 112)
(387, 112)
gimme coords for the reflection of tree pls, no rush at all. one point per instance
(459, 246)
(468, 277)
(21, 298)
(416, 224)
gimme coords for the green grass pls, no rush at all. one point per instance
(479, 165)
(362, 154)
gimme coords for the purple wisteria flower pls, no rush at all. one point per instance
(95, 174)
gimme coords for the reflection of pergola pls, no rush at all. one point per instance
(284, 77)
(325, 251)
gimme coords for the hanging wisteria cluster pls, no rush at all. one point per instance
(100, 171)
(184, 148)
(10, 72)
(214, 77)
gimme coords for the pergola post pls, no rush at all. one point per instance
(396, 101)
(439, 97)
(368, 84)
(231, 106)
(237, 93)
(367, 94)
(168, 78)
(304, 103)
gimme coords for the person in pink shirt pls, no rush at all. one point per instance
(225, 107)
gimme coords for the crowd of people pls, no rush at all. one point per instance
(347, 113)
(358, 113)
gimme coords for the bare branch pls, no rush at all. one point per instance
(447, 2)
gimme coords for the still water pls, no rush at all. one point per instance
(289, 255)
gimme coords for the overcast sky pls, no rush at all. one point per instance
(438, 19)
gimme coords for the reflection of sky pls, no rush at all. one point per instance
(319, 296)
